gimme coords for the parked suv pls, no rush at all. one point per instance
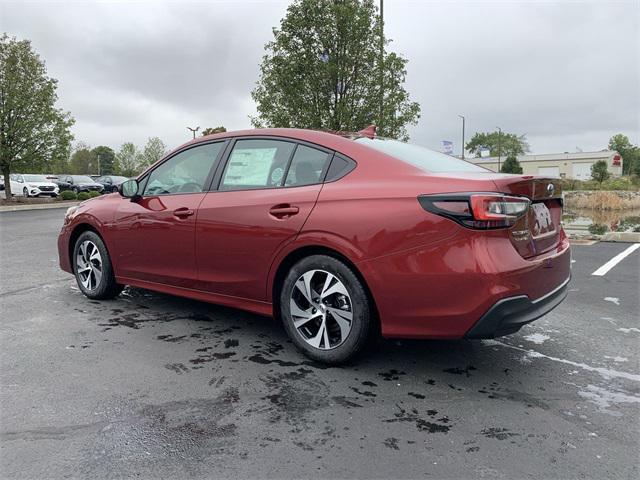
(110, 182)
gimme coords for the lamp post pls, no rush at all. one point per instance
(499, 146)
(462, 153)
(193, 130)
(381, 64)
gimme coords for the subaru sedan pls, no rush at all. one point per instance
(342, 237)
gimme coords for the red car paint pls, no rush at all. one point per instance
(429, 276)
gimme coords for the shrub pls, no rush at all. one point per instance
(600, 171)
(94, 194)
(597, 229)
(83, 196)
(511, 165)
(68, 195)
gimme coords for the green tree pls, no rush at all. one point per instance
(511, 165)
(153, 151)
(629, 152)
(212, 130)
(83, 160)
(499, 143)
(33, 132)
(600, 171)
(105, 157)
(128, 160)
(323, 71)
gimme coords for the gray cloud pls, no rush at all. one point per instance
(565, 73)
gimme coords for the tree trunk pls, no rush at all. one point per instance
(7, 182)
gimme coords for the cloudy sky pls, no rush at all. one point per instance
(565, 73)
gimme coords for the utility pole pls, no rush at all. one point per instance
(462, 155)
(381, 61)
(499, 146)
(193, 130)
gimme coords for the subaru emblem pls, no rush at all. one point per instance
(550, 189)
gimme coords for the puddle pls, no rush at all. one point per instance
(601, 221)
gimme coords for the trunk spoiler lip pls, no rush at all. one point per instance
(535, 187)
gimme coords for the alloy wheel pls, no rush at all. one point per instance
(89, 265)
(321, 309)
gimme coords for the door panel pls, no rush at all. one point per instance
(155, 238)
(239, 232)
(155, 234)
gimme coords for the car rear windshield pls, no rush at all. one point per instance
(35, 178)
(423, 158)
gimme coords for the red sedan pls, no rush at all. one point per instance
(343, 238)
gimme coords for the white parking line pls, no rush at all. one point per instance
(602, 271)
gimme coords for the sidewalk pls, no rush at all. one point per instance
(37, 206)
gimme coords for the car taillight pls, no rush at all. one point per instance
(477, 210)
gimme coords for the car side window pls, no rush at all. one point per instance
(256, 163)
(185, 172)
(307, 166)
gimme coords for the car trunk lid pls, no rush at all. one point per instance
(540, 229)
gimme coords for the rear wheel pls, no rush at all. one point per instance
(93, 269)
(325, 309)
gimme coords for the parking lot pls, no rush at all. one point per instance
(150, 385)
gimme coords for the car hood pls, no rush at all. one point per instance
(41, 184)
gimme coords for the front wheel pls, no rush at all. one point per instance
(325, 309)
(92, 267)
(25, 192)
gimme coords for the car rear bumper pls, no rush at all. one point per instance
(509, 315)
(443, 290)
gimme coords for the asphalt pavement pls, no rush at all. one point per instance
(155, 386)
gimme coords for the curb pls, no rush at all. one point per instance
(36, 206)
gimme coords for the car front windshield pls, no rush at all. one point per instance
(82, 179)
(35, 178)
(423, 158)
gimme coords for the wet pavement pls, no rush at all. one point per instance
(150, 385)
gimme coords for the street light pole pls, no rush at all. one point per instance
(381, 61)
(193, 130)
(462, 117)
(499, 146)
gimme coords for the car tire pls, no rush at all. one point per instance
(75, 190)
(337, 324)
(94, 272)
(25, 192)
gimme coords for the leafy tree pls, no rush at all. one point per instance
(105, 157)
(33, 132)
(83, 160)
(128, 160)
(212, 130)
(511, 165)
(600, 171)
(630, 153)
(153, 151)
(498, 143)
(323, 71)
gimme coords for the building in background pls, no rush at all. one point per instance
(565, 165)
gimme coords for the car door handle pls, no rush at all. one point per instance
(183, 212)
(283, 211)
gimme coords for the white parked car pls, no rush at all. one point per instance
(33, 186)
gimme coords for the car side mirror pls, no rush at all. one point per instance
(129, 189)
